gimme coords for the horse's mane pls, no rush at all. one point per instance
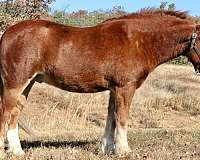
(152, 11)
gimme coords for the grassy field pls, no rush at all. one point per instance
(164, 120)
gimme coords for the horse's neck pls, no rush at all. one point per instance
(170, 48)
(172, 53)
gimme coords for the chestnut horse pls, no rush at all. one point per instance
(116, 55)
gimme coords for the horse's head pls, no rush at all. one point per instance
(194, 49)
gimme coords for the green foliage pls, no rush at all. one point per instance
(11, 12)
(179, 60)
(163, 5)
(172, 7)
(84, 18)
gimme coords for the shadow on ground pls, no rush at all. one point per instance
(56, 144)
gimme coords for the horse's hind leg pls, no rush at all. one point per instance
(2, 123)
(7, 110)
(2, 131)
(11, 104)
(18, 98)
(10, 99)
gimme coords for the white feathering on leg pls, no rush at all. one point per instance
(14, 142)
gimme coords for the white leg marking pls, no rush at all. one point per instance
(14, 142)
(121, 139)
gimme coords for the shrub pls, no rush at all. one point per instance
(84, 18)
(179, 60)
(10, 13)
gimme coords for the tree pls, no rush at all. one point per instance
(33, 4)
(163, 4)
(171, 7)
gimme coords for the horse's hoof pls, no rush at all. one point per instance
(18, 152)
(122, 150)
(108, 149)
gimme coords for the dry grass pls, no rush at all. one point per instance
(164, 120)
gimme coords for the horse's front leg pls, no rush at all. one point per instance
(119, 104)
(123, 100)
(108, 138)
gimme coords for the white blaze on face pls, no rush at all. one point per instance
(14, 142)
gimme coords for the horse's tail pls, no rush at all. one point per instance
(21, 122)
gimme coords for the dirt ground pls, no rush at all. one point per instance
(164, 120)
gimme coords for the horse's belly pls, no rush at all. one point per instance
(77, 85)
(82, 88)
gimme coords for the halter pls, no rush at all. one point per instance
(193, 44)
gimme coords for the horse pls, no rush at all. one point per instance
(116, 55)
